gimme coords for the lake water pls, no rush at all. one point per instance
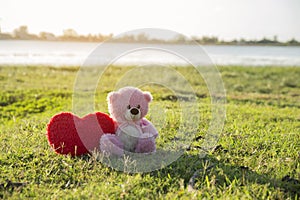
(14, 52)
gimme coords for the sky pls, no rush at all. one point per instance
(226, 19)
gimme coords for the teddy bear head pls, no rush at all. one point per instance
(128, 104)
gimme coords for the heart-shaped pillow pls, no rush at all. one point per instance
(70, 134)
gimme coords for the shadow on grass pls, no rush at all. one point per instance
(199, 173)
(204, 172)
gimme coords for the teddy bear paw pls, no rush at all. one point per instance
(111, 145)
(146, 144)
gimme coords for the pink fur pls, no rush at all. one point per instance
(128, 107)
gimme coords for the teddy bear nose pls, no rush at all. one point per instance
(134, 111)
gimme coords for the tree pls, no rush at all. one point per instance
(21, 32)
(293, 41)
(142, 37)
(70, 34)
(47, 36)
(179, 39)
(209, 40)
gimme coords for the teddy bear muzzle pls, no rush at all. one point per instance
(133, 114)
(134, 111)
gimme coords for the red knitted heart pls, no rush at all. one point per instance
(69, 134)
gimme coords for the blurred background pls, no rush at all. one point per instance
(232, 32)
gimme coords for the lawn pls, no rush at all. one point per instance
(257, 155)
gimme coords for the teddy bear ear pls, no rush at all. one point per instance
(148, 96)
(112, 96)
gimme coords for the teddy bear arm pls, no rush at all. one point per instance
(129, 135)
(145, 145)
(111, 144)
(148, 127)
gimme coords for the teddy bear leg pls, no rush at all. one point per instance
(110, 143)
(146, 144)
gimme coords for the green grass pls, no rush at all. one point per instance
(257, 155)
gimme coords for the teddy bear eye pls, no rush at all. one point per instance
(138, 106)
(128, 107)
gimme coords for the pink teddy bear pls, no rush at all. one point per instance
(134, 133)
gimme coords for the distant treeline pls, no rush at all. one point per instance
(22, 33)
